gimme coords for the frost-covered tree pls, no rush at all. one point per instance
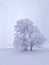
(27, 35)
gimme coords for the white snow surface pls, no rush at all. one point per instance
(9, 56)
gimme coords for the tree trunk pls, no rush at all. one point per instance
(30, 47)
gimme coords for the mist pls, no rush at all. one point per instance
(13, 10)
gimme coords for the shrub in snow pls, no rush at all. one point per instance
(27, 35)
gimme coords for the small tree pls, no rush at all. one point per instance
(27, 35)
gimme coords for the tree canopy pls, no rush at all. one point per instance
(27, 35)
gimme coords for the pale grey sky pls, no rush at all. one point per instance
(13, 10)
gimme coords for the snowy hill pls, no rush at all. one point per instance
(13, 57)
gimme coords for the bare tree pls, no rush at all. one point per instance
(27, 35)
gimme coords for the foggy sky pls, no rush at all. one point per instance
(13, 10)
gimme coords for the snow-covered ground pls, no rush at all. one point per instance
(13, 57)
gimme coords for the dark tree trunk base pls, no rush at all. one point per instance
(30, 48)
